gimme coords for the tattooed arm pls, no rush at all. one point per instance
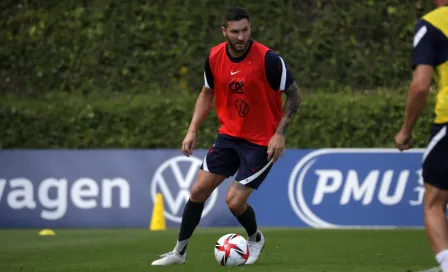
(279, 78)
(276, 145)
(292, 103)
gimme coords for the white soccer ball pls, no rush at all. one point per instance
(231, 250)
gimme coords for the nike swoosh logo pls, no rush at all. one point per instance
(233, 73)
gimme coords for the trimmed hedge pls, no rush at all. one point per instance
(139, 45)
(161, 121)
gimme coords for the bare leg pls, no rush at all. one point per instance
(236, 199)
(436, 224)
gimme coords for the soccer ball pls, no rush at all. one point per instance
(231, 250)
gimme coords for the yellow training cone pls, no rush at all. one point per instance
(46, 232)
(158, 218)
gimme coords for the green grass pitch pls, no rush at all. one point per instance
(133, 250)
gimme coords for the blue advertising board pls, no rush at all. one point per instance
(321, 188)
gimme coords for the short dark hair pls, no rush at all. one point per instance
(234, 14)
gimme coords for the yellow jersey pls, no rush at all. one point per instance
(431, 48)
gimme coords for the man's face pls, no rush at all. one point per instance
(237, 34)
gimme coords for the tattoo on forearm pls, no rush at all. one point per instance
(292, 103)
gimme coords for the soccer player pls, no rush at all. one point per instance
(431, 55)
(247, 80)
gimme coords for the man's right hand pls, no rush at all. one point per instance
(189, 143)
(403, 140)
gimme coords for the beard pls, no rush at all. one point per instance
(237, 46)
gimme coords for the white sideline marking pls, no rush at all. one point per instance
(434, 269)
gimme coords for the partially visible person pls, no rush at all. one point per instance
(430, 57)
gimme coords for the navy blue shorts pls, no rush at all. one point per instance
(435, 158)
(230, 155)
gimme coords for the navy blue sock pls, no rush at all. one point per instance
(248, 221)
(190, 220)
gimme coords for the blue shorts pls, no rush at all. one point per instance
(435, 159)
(229, 155)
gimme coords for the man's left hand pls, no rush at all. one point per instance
(276, 147)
